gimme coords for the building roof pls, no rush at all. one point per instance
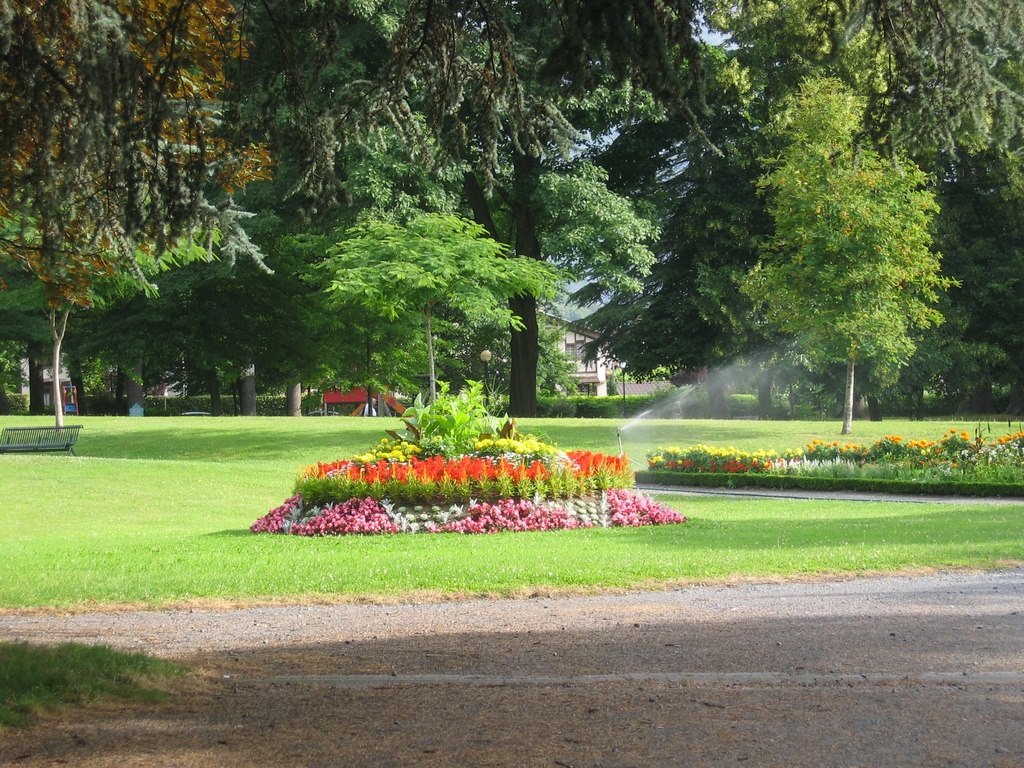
(644, 387)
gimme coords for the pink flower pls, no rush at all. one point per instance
(367, 516)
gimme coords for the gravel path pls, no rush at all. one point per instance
(892, 671)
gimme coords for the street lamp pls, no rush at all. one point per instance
(485, 357)
(622, 366)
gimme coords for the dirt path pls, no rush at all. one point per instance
(895, 671)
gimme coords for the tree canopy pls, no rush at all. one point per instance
(109, 142)
(434, 259)
(849, 269)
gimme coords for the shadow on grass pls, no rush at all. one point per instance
(216, 440)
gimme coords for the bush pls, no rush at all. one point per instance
(743, 406)
(803, 482)
(18, 403)
(559, 408)
(590, 407)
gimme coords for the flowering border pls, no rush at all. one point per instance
(955, 450)
(368, 516)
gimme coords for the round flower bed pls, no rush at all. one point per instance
(482, 478)
(617, 507)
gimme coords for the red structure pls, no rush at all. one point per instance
(358, 398)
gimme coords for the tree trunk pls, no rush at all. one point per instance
(248, 391)
(293, 399)
(919, 404)
(136, 387)
(213, 386)
(525, 355)
(525, 343)
(980, 401)
(119, 392)
(525, 346)
(765, 384)
(35, 387)
(717, 399)
(58, 325)
(5, 403)
(78, 382)
(874, 409)
(1016, 406)
(848, 399)
(478, 202)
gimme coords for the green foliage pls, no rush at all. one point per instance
(18, 403)
(671, 478)
(392, 269)
(434, 259)
(594, 233)
(449, 425)
(849, 269)
(36, 679)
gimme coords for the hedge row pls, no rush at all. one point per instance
(266, 405)
(868, 485)
(670, 405)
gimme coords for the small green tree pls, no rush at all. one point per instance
(434, 259)
(849, 268)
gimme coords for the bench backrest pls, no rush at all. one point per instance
(40, 435)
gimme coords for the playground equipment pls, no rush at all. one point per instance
(359, 398)
(70, 397)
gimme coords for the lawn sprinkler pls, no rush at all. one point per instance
(618, 436)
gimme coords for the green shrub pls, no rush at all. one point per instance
(806, 483)
(743, 406)
(558, 407)
(18, 403)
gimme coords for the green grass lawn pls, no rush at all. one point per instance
(157, 510)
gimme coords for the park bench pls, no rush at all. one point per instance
(34, 439)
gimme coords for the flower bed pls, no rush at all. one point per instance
(617, 507)
(955, 458)
(457, 471)
(437, 479)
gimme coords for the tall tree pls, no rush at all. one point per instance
(849, 269)
(108, 141)
(981, 233)
(468, 90)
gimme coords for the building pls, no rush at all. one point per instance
(591, 376)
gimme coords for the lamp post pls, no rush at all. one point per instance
(485, 358)
(622, 367)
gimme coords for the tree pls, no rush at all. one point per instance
(688, 314)
(391, 269)
(981, 232)
(468, 91)
(849, 268)
(108, 141)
